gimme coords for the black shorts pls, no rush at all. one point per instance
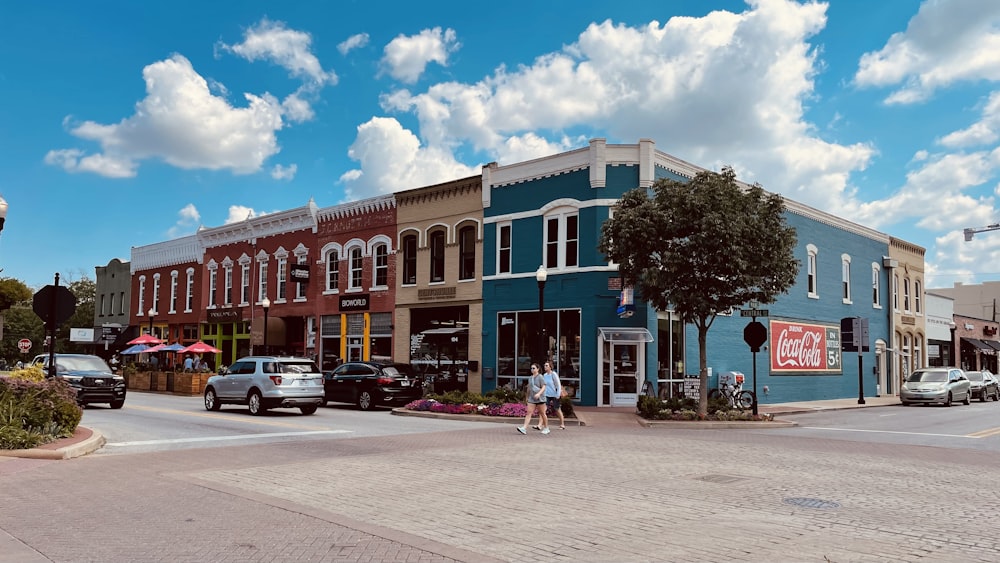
(553, 402)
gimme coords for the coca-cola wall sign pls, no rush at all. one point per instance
(804, 348)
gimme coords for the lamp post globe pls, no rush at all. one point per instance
(152, 315)
(266, 304)
(954, 345)
(540, 276)
(3, 212)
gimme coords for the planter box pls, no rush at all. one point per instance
(158, 381)
(138, 381)
(190, 383)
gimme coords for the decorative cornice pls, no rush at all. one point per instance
(438, 192)
(354, 208)
(168, 253)
(271, 224)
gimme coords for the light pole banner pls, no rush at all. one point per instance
(804, 348)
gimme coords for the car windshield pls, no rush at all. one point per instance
(298, 367)
(974, 375)
(86, 363)
(928, 377)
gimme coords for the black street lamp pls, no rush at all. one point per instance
(3, 212)
(152, 315)
(266, 304)
(954, 349)
(541, 275)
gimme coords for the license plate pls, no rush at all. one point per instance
(404, 383)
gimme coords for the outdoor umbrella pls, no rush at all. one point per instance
(200, 348)
(175, 347)
(157, 348)
(135, 349)
(145, 339)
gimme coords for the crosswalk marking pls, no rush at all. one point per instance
(219, 438)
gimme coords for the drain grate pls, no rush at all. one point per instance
(719, 479)
(811, 502)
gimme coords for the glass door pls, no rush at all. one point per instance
(624, 374)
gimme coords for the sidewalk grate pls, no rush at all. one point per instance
(811, 502)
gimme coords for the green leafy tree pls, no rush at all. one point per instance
(702, 247)
(12, 292)
(85, 291)
(21, 322)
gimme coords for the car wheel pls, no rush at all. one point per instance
(255, 402)
(905, 403)
(118, 404)
(968, 398)
(309, 409)
(365, 400)
(984, 396)
(212, 402)
(947, 401)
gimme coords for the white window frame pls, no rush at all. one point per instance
(895, 292)
(812, 271)
(189, 291)
(876, 286)
(906, 295)
(245, 280)
(355, 267)
(501, 267)
(227, 292)
(281, 277)
(331, 267)
(142, 297)
(302, 258)
(845, 269)
(562, 244)
(173, 292)
(156, 294)
(917, 290)
(262, 259)
(213, 282)
(380, 246)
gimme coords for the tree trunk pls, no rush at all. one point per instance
(703, 369)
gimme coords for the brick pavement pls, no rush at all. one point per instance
(603, 492)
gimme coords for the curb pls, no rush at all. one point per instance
(90, 444)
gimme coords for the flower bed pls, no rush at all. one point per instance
(513, 410)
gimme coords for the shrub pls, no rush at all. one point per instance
(35, 413)
(28, 373)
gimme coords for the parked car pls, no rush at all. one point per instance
(936, 385)
(371, 384)
(267, 382)
(984, 385)
(89, 375)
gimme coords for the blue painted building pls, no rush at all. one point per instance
(548, 293)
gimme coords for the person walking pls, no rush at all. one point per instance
(553, 393)
(535, 401)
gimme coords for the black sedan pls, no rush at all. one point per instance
(984, 385)
(371, 384)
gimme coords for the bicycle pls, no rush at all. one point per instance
(734, 395)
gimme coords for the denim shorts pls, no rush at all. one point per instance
(553, 402)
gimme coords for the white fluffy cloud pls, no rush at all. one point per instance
(289, 48)
(187, 222)
(182, 123)
(946, 42)
(280, 172)
(406, 56)
(240, 213)
(353, 42)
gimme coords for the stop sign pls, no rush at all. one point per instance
(54, 303)
(24, 345)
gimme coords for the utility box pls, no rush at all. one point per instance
(731, 379)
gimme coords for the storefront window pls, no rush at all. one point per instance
(330, 337)
(519, 343)
(439, 346)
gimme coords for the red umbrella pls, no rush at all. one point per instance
(145, 339)
(200, 348)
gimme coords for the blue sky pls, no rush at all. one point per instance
(124, 124)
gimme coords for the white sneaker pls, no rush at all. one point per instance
(521, 430)
(545, 430)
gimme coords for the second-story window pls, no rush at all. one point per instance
(503, 249)
(906, 295)
(189, 291)
(245, 282)
(916, 296)
(845, 262)
(332, 270)
(811, 273)
(281, 276)
(173, 291)
(410, 260)
(437, 256)
(103, 303)
(467, 253)
(381, 257)
(876, 286)
(561, 240)
(142, 294)
(156, 293)
(228, 293)
(213, 281)
(262, 280)
(895, 292)
(300, 288)
(357, 267)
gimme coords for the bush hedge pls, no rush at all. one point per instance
(36, 412)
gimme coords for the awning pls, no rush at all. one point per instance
(625, 334)
(993, 344)
(980, 345)
(446, 330)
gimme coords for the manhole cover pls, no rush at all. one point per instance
(720, 479)
(811, 502)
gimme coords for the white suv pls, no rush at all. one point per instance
(267, 382)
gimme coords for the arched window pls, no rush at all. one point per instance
(410, 259)
(357, 266)
(381, 257)
(467, 253)
(332, 270)
(811, 273)
(437, 256)
(916, 296)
